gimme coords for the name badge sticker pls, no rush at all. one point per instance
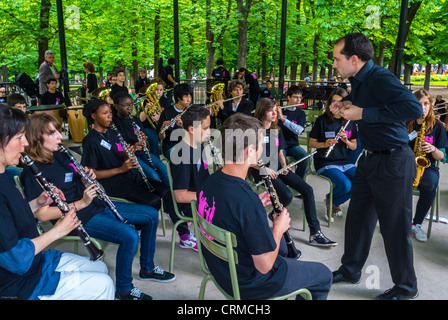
(68, 177)
(106, 144)
(266, 139)
(412, 135)
(330, 134)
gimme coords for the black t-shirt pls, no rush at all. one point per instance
(244, 106)
(91, 82)
(140, 83)
(323, 130)
(104, 152)
(437, 137)
(265, 93)
(169, 113)
(188, 169)
(297, 116)
(62, 174)
(116, 88)
(16, 222)
(49, 98)
(230, 203)
(221, 74)
(128, 132)
(166, 71)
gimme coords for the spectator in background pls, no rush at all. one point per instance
(48, 70)
(92, 82)
(2, 94)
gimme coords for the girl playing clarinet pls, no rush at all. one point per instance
(97, 218)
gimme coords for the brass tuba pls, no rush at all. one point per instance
(420, 157)
(150, 97)
(101, 93)
(216, 94)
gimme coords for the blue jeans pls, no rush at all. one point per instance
(105, 226)
(343, 184)
(297, 152)
(160, 175)
(153, 140)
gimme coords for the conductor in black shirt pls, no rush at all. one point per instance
(382, 185)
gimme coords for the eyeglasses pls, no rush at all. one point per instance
(126, 105)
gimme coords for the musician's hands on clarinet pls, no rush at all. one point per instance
(265, 198)
(281, 222)
(88, 196)
(67, 223)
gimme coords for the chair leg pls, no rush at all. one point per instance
(202, 289)
(173, 244)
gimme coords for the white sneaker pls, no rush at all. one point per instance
(419, 234)
(189, 243)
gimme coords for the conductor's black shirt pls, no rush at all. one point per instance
(387, 105)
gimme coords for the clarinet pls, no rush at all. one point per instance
(278, 207)
(145, 143)
(280, 171)
(100, 192)
(130, 155)
(330, 148)
(173, 120)
(214, 153)
(94, 252)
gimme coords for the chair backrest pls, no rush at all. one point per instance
(219, 242)
(170, 179)
(312, 115)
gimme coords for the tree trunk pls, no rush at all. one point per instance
(42, 44)
(244, 10)
(156, 42)
(427, 75)
(411, 14)
(407, 73)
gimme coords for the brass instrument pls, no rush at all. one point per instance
(150, 96)
(420, 157)
(216, 94)
(101, 93)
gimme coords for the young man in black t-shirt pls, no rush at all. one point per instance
(171, 120)
(251, 84)
(189, 168)
(221, 74)
(226, 200)
(119, 85)
(292, 122)
(240, 104)
(168, 77)
(52, 96)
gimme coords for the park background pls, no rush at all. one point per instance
(133, 34)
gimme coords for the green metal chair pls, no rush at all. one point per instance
(223, 246)
(100, 244)
(181, 220)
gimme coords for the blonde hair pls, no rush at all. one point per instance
(39, 126)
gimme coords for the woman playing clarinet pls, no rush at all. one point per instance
(97, 218)
(27, 270)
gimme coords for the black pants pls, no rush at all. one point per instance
(285, 195)
(382, 191)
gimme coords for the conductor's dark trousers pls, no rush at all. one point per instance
(382, 191)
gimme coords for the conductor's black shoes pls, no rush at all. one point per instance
(339, 277)
(393, 294)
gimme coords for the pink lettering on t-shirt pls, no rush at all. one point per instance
(73, 166)
(205, 211)
(205, 165)
(277, 142)
(119, 147)
(348, 134)
(429, 139)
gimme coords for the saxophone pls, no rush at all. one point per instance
(420, 157)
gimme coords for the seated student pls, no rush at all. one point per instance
(52, 96)
(337, 165)
(114, 169)
(240, 104)
(182, 97)
(151, 124)
(434, 147)
(16, 100)
(266, 112)
(27, 270)
(188, 167)
(142, 80)
(119, 85)
(266, 93)
(153, 167)
(263, 269)
(97, 219)
(292, 122)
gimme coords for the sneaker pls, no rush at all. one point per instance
(134, 294)
(158, 274)
(188, 241)
(319, 239)
(393, 294)
(327, 212)
(419, 234)
(337, 212)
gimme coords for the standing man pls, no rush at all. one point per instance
(382, 185)
(251, 84)
(221, 74)
(47, 70)
(168, 77)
